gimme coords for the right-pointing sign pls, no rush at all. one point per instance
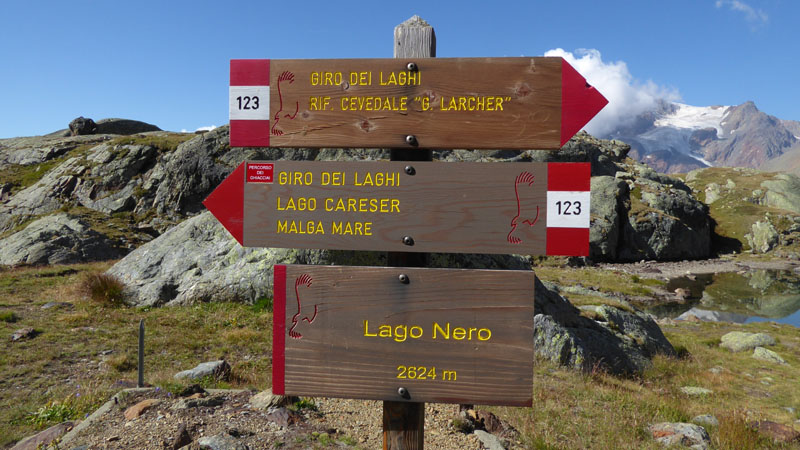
(522, 208)
(477, 103)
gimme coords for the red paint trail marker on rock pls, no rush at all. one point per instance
(430, 103)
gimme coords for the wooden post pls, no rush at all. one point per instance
(404, 423)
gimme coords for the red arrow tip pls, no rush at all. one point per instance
(226, 203)
(579, 102)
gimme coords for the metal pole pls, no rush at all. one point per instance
(141, 354)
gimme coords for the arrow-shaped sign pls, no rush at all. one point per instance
(475, 103)
(522, 208)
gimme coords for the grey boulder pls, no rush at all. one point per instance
(56, 239)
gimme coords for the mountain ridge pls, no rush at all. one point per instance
(676, 138)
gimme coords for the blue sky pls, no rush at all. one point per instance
(166, 62)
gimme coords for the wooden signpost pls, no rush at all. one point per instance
(522, 208)
(479, 103)
(400, 334)
(404, 334)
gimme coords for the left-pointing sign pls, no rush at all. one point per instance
(522, 208)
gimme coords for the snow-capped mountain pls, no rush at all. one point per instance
(676, 137)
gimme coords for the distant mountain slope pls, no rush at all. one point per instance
(676, 137)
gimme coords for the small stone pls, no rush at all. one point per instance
(221, 441)
(24, 333)
(764, 354)
(266, 399)
(776, 431)
(199, 402)
(489, 440)
(694, 391)
(44, 438)
(139, 408)
(191, 390)
(686, 434)
(182, 438)
(716, 370)
(706, 419)
(220, 370)
(738, 341)
(50, 305)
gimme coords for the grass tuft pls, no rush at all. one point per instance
(8, 316)
(104, 288)
(734, 433)
(52, 412)
(263, 304)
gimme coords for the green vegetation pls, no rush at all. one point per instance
(737, 208)
(103, 288)
(85, 349)
(607, 285)
(164, 141)
(72, 366)
(597, 410)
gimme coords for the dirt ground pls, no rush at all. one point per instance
(183, 422)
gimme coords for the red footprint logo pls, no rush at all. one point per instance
(286, 76)
(524, 179)
(302, 280)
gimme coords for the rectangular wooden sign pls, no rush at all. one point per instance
(494, 103)
(505, 208)
(404, 334)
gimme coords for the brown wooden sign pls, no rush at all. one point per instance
(404, 334)
(514, 103)
(522, 208)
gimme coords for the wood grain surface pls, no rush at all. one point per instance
(476, 103)
(442, 207)
(443, 335)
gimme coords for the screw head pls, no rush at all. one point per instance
(408, 240)
(410, 170)
(412, 66)
(403, 278)
(403, 392)
(411, 140)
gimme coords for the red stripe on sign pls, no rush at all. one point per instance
(568, 242)
(249, 133)
(249, 72)
(575, 177)
(278, 329)
(226, 203)
(580, 102)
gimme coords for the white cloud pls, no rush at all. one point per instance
(208, 128)
(753, 16)
(627, 97)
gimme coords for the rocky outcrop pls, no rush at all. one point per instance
(782, 192)
(636, 213)
(124, 126)
(620, 341)
(739, 341)
(57, 239)
(159, 181)
(81, 125)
